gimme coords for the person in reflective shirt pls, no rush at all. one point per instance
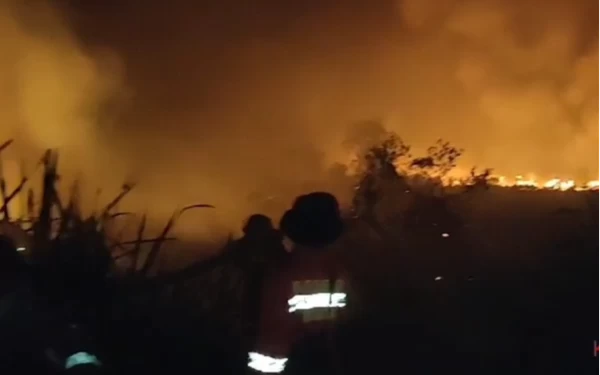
(304, 294)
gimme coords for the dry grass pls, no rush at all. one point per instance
(53, 226)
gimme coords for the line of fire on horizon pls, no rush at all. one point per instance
(552, 184)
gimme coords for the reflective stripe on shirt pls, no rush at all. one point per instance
(265, 363)
(315, 300)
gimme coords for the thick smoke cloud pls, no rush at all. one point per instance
(53, 92)
(230, 98)
(531, 72)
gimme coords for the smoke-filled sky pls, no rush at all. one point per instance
(207, 101)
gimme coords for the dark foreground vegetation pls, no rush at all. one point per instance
(469, 280)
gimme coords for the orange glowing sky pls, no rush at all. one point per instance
(207, 103)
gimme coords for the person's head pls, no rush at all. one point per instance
(80, 362)
(258, 226)
(72, 349)
(83, 363)
(313, 221)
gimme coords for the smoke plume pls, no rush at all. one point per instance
(232, 99)
(53, 92)
(529, 71)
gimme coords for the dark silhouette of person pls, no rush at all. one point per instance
(261, 239)
(259, 248)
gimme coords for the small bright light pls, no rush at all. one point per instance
(21, 249)
(438, 278)
(445, 235)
